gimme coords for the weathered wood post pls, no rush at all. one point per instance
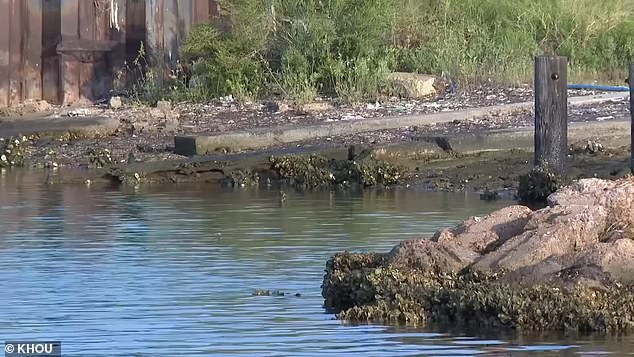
(551, 112)
(630, 80)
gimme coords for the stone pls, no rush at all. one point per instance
(274, 106)
(115, 102)
(162, 111)
(156, 114)
(164, 105)
(412, 85)
(169, 125)
(140, 126)
(453, 249)
(568, 266)
(313, 108)
(40, 106)
(552, 232)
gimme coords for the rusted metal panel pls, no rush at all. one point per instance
(171, 32)
(87, 26)
(118, 32)
(154, 32)
(135, 20)
(201, 10)
(134, 39)
(5, 36)
(214, 9)
(204, 10)
(51, 34)
(70, 78)
(15, 52)
(63, 50)
(185, 18)
(32, 75)
(135, 29)
(100, 69)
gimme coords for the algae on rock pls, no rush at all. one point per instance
(312, 171)
(551, 269)
(537, 185)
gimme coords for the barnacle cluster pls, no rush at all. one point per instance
(50, 159)
(312, 171)
(242, 178)
(366, 288)
(100, 158)
(538, 184)
(13, 151)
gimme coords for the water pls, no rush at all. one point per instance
(171, 271)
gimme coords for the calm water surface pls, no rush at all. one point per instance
(170, 271)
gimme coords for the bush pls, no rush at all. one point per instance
(345, 48)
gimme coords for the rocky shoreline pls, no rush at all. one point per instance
(138, 140)
(566, 267)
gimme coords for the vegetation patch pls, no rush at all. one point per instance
(346, 48)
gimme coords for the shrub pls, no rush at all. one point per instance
(345, 48)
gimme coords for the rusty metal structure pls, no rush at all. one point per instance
(66, 50)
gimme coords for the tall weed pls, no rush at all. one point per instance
(346, 48)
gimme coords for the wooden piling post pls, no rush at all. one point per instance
(631, 83)
(551, 112)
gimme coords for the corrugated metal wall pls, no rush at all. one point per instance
(66, 50)
(20, 50)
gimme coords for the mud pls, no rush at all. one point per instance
(500, 171)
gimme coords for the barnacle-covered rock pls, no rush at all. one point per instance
(242, 178)
(569, 266)
(538, 184)
(312, 171)
(489, 195)
(14, 151)
(100, 158)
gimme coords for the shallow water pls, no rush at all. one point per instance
(171, 271)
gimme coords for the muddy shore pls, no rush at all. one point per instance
(141, 139)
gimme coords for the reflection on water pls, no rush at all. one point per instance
(170, 271)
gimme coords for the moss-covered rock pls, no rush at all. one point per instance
(538, 184)
(551, 269)
(367, 293)
(312, 171)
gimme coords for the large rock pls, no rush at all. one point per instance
(552, 232)
(412, 85)
(567, 266)
(451, 250)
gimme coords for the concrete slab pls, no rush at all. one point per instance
(262, 137)
(609, 133)
(85, 126)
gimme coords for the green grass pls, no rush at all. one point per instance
(345, 48)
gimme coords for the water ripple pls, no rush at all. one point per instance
(165, 272)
